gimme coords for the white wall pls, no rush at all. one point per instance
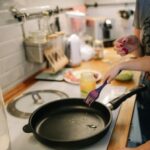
(5, 4)
(120, 26)
(110, 1)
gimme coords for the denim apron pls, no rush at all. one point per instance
(143, 100)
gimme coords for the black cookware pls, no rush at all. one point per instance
(71, 123)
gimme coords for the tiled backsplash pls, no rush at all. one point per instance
(14, 68)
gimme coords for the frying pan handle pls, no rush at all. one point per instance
(115, 103)
(27, 128)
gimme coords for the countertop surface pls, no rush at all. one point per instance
(122, 116)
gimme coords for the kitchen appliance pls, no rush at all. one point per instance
(107, 36)
(4, 133)
(107, 26)
(75, 124)
(76, 22)
(74, 44)
(100, 29)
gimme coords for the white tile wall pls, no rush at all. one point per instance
(110, 1)
(10, 32)
(10, 47)
(13, 60)
(14, 68)
(120, 26)
(12, 75)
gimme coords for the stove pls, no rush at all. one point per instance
(23, 141)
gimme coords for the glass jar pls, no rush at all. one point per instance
(60, 42)
(87, 83)
(4, 133)
(99, 49)
(55, 41)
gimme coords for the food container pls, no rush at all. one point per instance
(37, 37)
(99, 49)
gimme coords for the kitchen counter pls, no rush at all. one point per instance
(121, 130)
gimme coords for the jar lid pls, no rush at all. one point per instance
(98, 42)
(25, 104)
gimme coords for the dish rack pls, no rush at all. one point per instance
(55, 52)
(50, 48)
(56, 59)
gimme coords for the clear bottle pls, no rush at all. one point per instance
(60, 43)
(4, 133)
(99, 49)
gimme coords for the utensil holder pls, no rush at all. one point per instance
(55, 59)
(34, 51)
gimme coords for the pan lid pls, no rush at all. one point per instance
(25, 104)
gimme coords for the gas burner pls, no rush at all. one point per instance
(25, 104)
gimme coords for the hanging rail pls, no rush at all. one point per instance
(19, 15)
(108, 4)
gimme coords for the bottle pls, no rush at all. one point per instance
(73, 49)
(99, 49)
(4, 133)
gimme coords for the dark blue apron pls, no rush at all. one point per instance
(143, 100)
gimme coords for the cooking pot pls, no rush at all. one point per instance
(70, 123)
